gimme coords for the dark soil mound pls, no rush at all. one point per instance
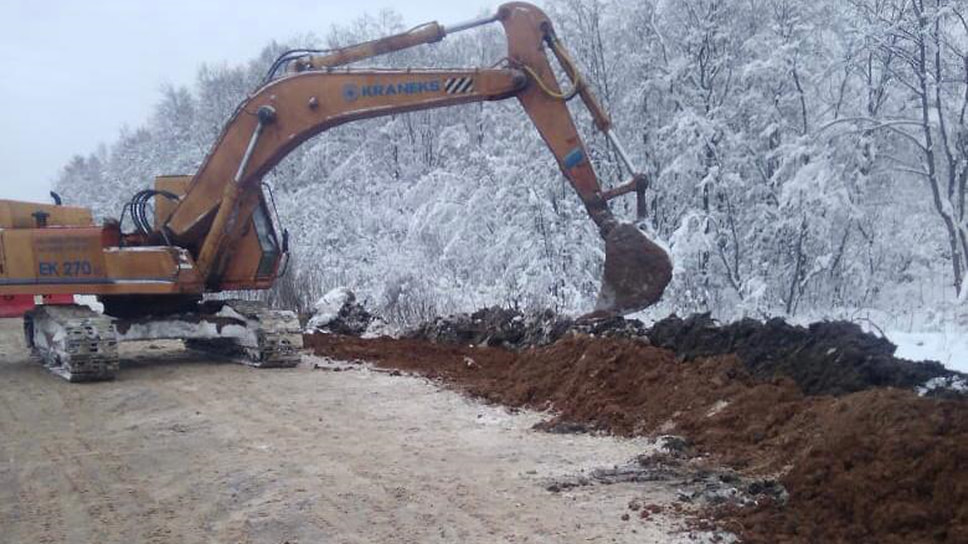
(825, 358)
(496, 327)
(832, 357)
(881, 465)
(352, 319)
(512, 329)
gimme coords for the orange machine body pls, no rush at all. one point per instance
(68, 254)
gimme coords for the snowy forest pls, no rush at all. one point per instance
(806, 159)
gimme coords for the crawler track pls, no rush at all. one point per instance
(274, 339)
(73, 342)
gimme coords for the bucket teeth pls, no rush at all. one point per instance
(74, 342)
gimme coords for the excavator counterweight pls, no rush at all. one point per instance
(214, 231)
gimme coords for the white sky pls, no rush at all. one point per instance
(73, 72)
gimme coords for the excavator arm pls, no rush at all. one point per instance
(213, 231)
(316, 94)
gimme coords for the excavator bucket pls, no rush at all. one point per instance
(637, 271)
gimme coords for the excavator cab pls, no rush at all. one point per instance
(270, 250)
(260, 253)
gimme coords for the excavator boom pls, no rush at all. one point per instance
(315, 94)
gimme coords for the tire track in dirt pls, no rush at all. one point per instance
(73, 483)
(284, 423)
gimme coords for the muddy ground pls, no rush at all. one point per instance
(185, 449)
(860, 456)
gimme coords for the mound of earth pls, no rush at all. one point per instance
(513, 329)
(880, 465)
(832, 358)
(826, 358)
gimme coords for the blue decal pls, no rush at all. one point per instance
(77, 268)
(351, 91)
(574, 158)
(48, 269)
(65, 269)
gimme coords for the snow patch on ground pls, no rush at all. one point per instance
(379, 328)
(951, 383)
(948, 347)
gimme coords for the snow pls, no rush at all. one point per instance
(948, 348)
(379, 328)
(181, 329)
(949, 383)
(229, 312)
(49, 334)
(90, 301)
(328, 306)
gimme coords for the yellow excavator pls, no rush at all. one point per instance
(214, 231)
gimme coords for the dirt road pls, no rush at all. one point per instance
(184, 450)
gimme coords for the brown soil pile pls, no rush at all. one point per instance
(881, 465)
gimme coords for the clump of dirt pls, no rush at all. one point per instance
(881, 465)
(826, 358)
(876, 466)
(513, 329)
